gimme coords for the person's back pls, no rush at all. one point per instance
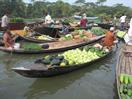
(109, 38)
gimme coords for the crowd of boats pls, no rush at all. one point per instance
(82, 45)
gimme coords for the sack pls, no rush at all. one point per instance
(16, 45)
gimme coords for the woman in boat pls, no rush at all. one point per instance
(128, 36)
(7, 39)
(83, 21)
(109, 38)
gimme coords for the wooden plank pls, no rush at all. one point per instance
(127, 65)
(123, 63)
(130, 63)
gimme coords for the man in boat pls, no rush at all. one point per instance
(109, 39)
(83, 21)
(48, 19)
(5, 21)
(128, 36)
(7, 39)
(122, 22)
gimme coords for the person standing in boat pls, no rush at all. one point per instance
(7, 39)
(128, 36)
(48, 19)
(108, 40)
(122, 22)
(5, 21)
(83, 21)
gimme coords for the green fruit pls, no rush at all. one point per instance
(130, 79)
(121, 78)
(123, 96)
(129, 92)
(62, 64)
(127, 97)
(121, 88)
(125, 91)
(126, 79)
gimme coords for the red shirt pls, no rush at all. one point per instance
(83, 22)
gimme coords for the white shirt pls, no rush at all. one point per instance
(26, 28)
(48, 19)
(5, 21)
(123, 19)
(128, 36)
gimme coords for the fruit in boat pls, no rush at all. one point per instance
(121, 88)
(63, 64)
(121, 78)
(129, 92)
(121, 34)
(130, 79)
(126, 79)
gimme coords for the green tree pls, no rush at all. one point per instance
(80, 1)
(100, 2)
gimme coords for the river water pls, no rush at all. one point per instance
(96, 81)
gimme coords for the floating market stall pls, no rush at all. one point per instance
(51, 47)
(68, 61)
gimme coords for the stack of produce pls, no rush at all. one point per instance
(78, 34)
(121, 34)
(44, 37)
(126, 86)
(72, 57)
(31, 46)
(98, 31)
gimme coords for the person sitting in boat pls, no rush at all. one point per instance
(26, 29)
(109, 38)
(7, 39)
(128, 36)
(65, 28)
(83, 21)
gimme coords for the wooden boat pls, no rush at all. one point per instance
(33, 38)
(38, 70)
(123, 65)
(55, 46)
(105, 26)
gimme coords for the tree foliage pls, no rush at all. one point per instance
(18, 8)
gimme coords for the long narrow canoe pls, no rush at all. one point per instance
(55, 46)
(33, 38)
(123, 67)
(39, 70)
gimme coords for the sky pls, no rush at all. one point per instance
(109, 2)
